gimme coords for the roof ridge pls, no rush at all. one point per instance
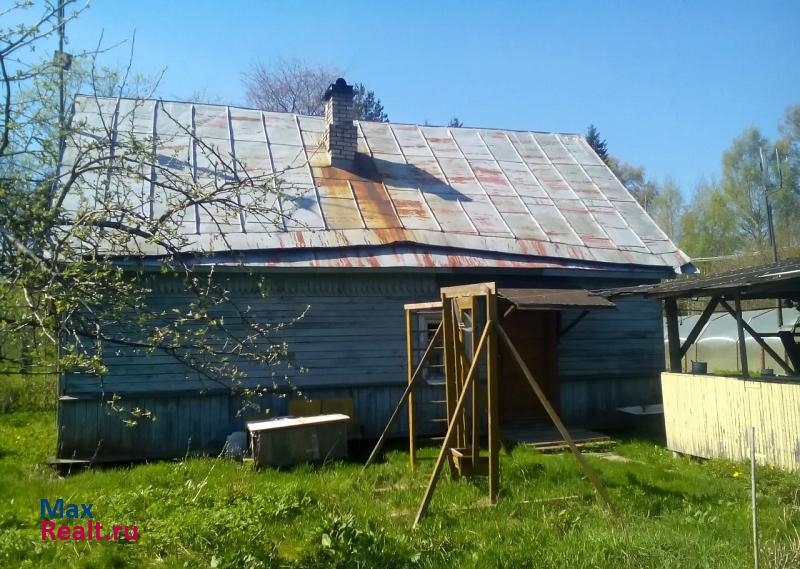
(246, 108)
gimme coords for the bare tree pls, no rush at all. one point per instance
(69, 223)
(294, 86)
(288, 86)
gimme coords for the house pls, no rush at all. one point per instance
(391, 213)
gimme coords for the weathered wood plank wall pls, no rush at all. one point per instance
(711, 416)
(351, 344)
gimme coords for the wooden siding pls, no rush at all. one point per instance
(351, 343)
(353, 333)
(191, 423)
(610, 359)
(711, 416)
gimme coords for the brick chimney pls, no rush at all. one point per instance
(340, 132)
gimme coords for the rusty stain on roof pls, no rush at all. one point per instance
(513, 194)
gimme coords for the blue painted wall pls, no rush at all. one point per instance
(351, 343)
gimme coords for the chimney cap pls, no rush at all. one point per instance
(340, 87)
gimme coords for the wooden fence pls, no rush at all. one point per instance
(710, 416)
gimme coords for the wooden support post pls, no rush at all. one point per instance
(757, 337)
(587, 469)
(412, 443)
(451, 428)
(699, 325)
(475, 428)
(450, 361)
(740, 330)
(673, 335)
(792, 352)
(407, 394)
(493, 392)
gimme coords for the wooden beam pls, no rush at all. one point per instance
(451, 428)
(587, 469)
(740, 330)
(475, 427)
(699, 325)
(673, 335)
(412, 442)
(493, 399)
(792, 350)
(761, 342)
(407, 394)
(433, 305)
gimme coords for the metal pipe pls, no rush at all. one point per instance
(753, 503)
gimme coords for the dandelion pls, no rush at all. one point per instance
(736, 474)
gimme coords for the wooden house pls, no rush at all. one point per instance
(389, 215)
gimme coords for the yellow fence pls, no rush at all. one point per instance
(710, 416)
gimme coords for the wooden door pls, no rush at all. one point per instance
(535, 335)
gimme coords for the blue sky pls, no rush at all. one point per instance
(669, 84)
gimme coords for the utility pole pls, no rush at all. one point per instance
(770, 223)
(64, 62)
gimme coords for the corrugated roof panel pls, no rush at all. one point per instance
(581, 219)
(375, 205)
(174, 118)
(470, 143)
(252, 158)
(424, 170)
(248, 126)
(554, 225)
(379, 138)
(282, 129)
(460, 176)
(580, 150)
(211, 122)
(552, 182)
(341, 213)
(520, 177)
(624, 237)
(302, 211)
(412, 143)
(640, 222)
(553, 148)
(500, 146)
(448, 212)
(441, 143)
(524, 226)
(411, 208)
(527, 148)
(485, 218)
(608, 184)
(509, 204)
(492, 178)
(136, 116)
(311, 124)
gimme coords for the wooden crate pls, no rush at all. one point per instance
(284, 442)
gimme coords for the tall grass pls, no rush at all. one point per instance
(675, 512)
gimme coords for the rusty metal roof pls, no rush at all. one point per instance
(553, 298)
(522, 197)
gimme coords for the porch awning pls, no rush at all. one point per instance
(553, 299)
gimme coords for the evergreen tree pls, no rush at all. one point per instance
(598, 144)
(367, 106)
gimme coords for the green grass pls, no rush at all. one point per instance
(675, 512)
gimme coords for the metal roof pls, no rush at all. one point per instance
(515, 197)
(553, 298)
(774, 280)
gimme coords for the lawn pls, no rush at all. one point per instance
(675, 512)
